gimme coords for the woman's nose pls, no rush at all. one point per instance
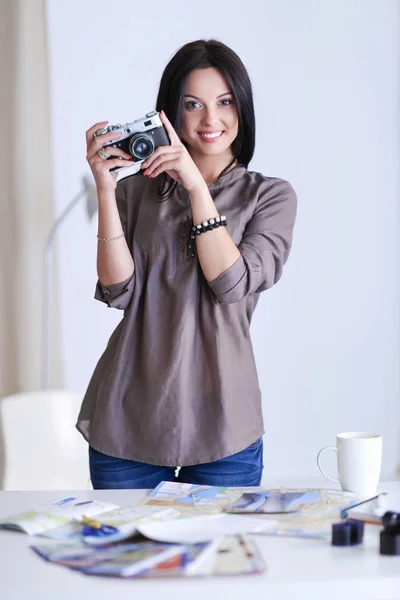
(210, 116)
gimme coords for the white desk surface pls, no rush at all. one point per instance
(297, 568)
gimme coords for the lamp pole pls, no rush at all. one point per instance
(89, 191)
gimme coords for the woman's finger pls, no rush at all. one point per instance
(161, 150)
(159, 160)
(168, 165)
(92, 129)
(99, 141)
(111, 163)
(173, 136)
(110, 150)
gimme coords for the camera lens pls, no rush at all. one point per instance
(141, 146)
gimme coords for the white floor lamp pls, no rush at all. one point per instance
(88, 191)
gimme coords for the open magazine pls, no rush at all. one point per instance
(62, 520)
(51, 516)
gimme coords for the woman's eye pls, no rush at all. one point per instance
(226, 102)
(191, 104)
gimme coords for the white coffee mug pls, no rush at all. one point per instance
(359, 459)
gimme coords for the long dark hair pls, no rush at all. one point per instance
(202, 54)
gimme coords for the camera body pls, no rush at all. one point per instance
(141, 138)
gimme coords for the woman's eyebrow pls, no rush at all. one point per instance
(197, 98)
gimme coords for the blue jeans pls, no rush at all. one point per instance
(241, 469)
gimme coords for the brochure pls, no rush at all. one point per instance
(190, 498)
(124, 560)
(268, 503)
(229, 555)
(48, 517)
(195, 560)
(238, 555)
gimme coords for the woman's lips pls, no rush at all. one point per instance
(210, 137)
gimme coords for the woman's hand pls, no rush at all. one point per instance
(105, 180)
(174, 160)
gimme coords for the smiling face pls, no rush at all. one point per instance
(209, 119)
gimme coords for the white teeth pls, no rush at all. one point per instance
(211, 135)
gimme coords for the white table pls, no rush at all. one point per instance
(297, 568)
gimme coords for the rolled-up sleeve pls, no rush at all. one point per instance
(116, 295)
(264, 248)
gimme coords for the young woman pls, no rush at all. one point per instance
(177, 383)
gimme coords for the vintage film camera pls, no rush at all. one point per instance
(141, 138)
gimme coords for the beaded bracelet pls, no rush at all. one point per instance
(208, 225)
(202, 228)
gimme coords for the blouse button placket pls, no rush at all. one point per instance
(191, 243)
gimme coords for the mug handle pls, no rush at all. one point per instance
(319, 464)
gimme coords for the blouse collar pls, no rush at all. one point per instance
(226, 179)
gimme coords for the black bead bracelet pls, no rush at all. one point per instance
(202, 228)
(208, 225)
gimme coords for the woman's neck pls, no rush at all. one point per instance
(211, 166)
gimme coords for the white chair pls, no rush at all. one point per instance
(42, 450)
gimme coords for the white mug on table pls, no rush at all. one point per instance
(359, 459)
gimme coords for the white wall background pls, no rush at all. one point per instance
(326, 85)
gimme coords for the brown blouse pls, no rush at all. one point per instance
(177, 384)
